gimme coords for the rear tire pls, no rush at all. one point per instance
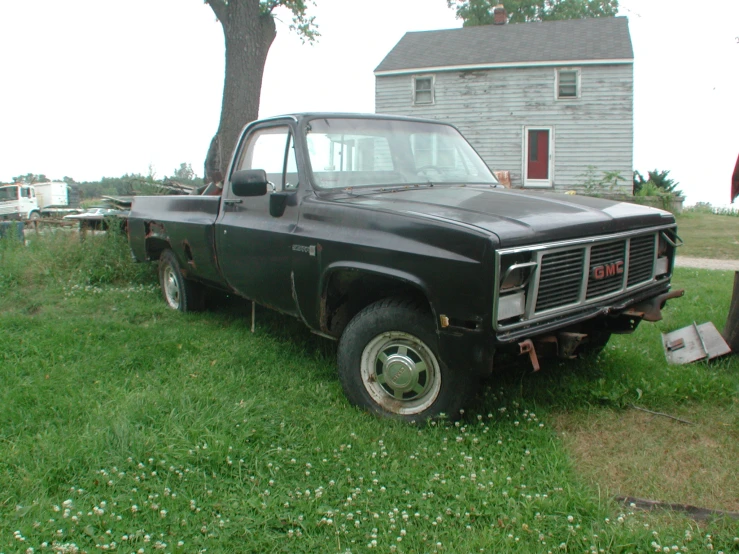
(389, 364)
(179, 293)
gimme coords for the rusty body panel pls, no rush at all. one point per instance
(332, 251)
(186, 224)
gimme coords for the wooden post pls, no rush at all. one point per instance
(731, 331)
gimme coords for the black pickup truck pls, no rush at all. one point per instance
(393, 237)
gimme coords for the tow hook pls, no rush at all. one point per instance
(527, 347)
(651, 310)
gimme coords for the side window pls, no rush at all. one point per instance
(25, 192)
(267, 149)
(423, 90)
(568, 83)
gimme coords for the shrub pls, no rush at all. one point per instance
(60, 256)
(660, 182)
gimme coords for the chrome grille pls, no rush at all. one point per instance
(641, 259)
(560, 279)
(563, 277)
(604, 257)
(569, 276)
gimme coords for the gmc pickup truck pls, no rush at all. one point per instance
(393, 237)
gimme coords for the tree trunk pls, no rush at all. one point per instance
(248, 34)
(731, 331)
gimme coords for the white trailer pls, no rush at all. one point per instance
(52, 194)
(21, 201)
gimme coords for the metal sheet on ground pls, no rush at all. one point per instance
(694, 343)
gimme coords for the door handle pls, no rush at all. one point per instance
(233, 200)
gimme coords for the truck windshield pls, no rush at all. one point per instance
(8, 193)
(358, 152)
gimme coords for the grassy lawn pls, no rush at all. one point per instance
(125, 426)
(709, 236)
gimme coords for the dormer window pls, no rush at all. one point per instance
(423, 90)
(568, 83)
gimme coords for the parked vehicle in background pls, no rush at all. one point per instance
(393, 237)
(22, 201)
(18, 201)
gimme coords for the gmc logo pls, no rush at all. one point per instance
(608, 270)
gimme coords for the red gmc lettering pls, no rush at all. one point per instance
(608, 270)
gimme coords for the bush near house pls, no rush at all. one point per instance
(657, 183)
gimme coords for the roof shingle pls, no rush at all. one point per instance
(593, 39)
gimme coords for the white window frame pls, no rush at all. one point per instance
(417, 78)
(557, 72)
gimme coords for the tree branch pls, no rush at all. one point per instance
(663, 415)
(219, 8)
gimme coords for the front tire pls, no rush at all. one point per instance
(179, 293)
(389, 364)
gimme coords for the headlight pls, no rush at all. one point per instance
(515, 273)
(511, 305)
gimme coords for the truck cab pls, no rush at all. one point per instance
(18, 201)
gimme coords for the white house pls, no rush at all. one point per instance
(549, 102)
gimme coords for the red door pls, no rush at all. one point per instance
(537, 166)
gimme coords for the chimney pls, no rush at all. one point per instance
(500, 16)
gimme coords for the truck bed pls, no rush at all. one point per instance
(187, 223)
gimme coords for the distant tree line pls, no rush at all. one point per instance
(126, 185)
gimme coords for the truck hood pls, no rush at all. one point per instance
(516, 217)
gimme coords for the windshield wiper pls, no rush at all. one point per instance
(407, 186)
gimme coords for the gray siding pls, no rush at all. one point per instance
(492, 107)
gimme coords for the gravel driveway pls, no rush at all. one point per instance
(707, 263)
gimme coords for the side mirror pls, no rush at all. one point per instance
(249, 182)
(278, 203)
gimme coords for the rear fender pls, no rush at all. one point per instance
(156, 239)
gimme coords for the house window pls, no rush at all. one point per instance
(423, 90)
(568, 83)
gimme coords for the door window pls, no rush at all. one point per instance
(272, 150)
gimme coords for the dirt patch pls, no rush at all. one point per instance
(632, 453)
(706, 263)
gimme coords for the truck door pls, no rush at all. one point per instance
(254, 248)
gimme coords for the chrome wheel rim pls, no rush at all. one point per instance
(400, 373)
(171, 287)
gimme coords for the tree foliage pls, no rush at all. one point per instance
(303, 24)
(480, 12)
(249, 30)
(657, 182)
(184, 172)
(31, 178)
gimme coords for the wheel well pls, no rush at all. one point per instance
(155, 247)
(348, 292)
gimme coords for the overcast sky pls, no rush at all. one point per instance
(94, 88)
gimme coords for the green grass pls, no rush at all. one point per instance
(122, 422)
(708, 235)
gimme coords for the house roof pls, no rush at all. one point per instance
(592, 40)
